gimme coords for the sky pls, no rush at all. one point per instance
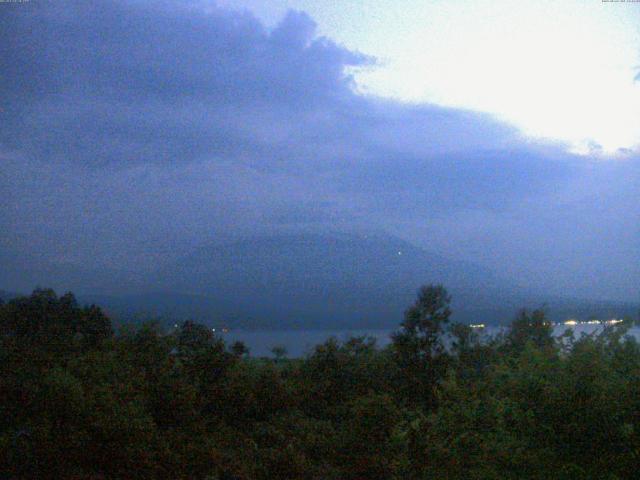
(504, 134)
(576, 58)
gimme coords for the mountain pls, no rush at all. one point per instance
(6, 296)
(166, 307)
(291, 280)
(22, 273)
(323, 280)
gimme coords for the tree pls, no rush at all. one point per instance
(239, 349)
(203, 356)
(531, 327)
(471, 353)
(373, 417)
(419, 347)
(279, 352)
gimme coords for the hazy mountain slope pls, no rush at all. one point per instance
(331, 279)
(166, 307)
(288, 280)
(22, 273)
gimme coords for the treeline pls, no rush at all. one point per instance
(79, 401)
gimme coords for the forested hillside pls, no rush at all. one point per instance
(78, 400)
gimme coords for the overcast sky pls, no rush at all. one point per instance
(504, 133)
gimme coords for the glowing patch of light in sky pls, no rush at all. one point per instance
(561, 69)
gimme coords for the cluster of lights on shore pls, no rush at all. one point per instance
(221, 330)
(573, 322)
(570, 323)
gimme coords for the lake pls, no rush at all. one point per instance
(300, 342)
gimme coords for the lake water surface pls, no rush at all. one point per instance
(300, 342)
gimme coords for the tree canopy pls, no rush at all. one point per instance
(78, 400)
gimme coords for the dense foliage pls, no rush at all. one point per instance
(79, 401)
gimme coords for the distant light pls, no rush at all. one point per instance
(571, 322)
(399, 253)
(213, 329)
(477, 325)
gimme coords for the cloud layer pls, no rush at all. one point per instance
(132, 131)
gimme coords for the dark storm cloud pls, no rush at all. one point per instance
(127, 83)
(133, 128)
